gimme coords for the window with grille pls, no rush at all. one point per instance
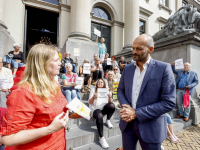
(101, 13)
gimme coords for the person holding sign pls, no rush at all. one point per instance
(102, 46)
(117, 75)
(98, 111)
(87, 77)
(6, 83)
(106, 64)
(69, 80)
(96, 69)
(35, 118)
(185, 79)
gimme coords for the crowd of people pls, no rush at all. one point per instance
(35, 116)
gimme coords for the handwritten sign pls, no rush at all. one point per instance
(4, 82)
(86, 68)
(109, 61)
(179, 64)
(102, 96)
(76, 52)
(97, 32)
(79, 83)
(102, 56)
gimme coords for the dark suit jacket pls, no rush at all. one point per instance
(192, 79)
(157, 97)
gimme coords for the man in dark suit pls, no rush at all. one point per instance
(146, 92)
(185, 79)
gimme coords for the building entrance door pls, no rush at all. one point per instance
(41, 26)
(105, 33)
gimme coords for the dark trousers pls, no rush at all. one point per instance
(131, 135)
(97, 75)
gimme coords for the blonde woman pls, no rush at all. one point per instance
(35, 118)
(117, 75)
(110, 80)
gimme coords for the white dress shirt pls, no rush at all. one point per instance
(137, 82)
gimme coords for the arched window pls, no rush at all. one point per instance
(101, 13)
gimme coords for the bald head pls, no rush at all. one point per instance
(146, 40)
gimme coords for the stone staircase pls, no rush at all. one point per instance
(82, 134)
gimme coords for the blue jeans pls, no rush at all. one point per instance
(185, 112)
(169, 119)
(73, 69)
(13, 62)
(70, 94)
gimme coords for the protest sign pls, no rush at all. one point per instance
(4, 82)
(86, 68)
(179, 64)
(102, 56)
(76, 52)
(102, 96)
(97, 32)
(79, 83)
(115, 85)
(109, 61)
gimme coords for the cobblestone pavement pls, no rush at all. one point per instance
(190, 139)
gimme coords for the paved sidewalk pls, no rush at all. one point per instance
(190, 140)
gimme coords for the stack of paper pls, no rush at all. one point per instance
(78, 107)
(179, 64)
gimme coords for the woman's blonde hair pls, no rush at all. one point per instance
(104, 84)
(111, 72)
(36, 72)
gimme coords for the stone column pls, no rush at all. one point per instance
(2, 11)
(131, 29)
(80, 22)
(179, 4)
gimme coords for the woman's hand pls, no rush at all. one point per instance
(112, 89)
(109, 95)
(94, 96)
(75, 84)
(59, 122)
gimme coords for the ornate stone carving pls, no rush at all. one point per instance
(182, 20)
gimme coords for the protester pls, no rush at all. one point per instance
(98, 111)
(15, 58)
(185, 79)
(105, 66)
(96, 69)
(69, 80)
(117, 75)
(35, 117)
(114, 63)
(92, 62)
(87, 77)
(110, 81)
(122, 63)
(143, 114)
(5, 72)
(102, 46)
(67, 59)
(171, 136)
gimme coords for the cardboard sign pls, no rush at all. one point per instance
(4, 82)
(102, 96)
(179, 64)
(86, 68)
(79, 83)
(97, 32)
(115, 85)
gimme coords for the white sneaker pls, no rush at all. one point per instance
(103, 143)
(162, 147)
(109, 124)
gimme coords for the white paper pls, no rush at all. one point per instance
(76, 52)
(109, 61)
(79, 83)
(102, 96)
(4, 82)
(179, 64)
(97, 32)
(102, 56)
(78, 107)
(86, 68)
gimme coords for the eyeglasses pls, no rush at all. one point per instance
(115, 69)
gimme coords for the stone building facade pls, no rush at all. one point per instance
(120, 21)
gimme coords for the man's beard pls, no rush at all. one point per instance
(141, 58)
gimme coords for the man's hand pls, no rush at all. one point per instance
(173, 63)
(4, 90)
(187, 87)
(127, 113)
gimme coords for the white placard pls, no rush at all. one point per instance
(76, 52)
(102, 56)
(102, 96)
(4, 82)
(97, 32)
(179, 64)
(86, 68)
(109, 61)
(79, 83)
(78, 107)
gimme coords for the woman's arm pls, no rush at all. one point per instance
(97, 39)
(92, 96)
(110, 100)
(27, 136)
(93, 70)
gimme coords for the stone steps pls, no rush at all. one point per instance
(86, 137)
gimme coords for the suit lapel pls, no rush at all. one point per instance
(130, 82)
(187, 83)
(147, 75)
